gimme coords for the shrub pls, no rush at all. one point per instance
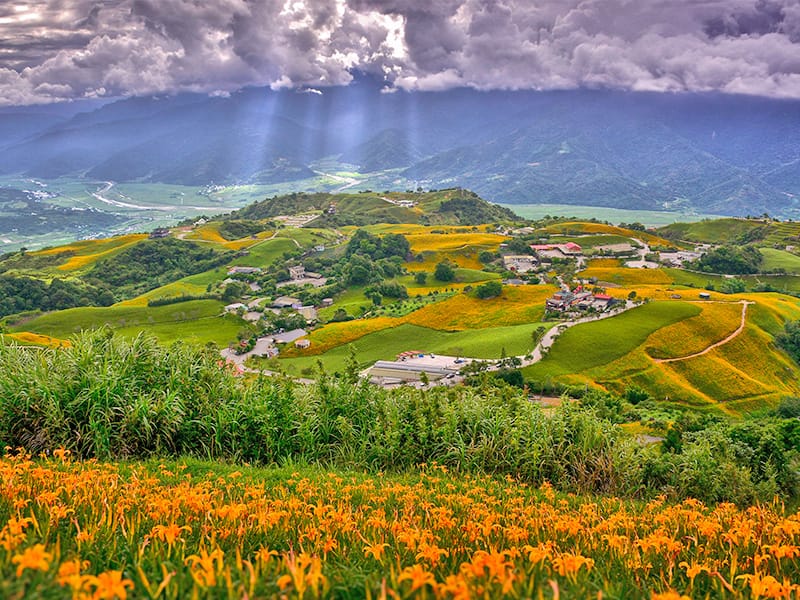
(444, 272)
(490, 289)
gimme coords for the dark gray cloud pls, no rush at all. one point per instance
(57, 49)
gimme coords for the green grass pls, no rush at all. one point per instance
(387, 344)
(716, 231)
(351, 300)
(693, 279)
(197, 332)
(780, 259)
(265, 253)
(579, 348)
(191, 321)
(471, 276)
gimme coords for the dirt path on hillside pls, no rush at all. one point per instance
(739, 330)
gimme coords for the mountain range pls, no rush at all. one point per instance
(711, 153)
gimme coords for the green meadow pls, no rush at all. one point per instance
(196, 321)
(591, 345)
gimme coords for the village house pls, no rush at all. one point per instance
(679, 258)
(298, 272)
(570, 249)
(286, 302)
(602, 302)
(581, 299)
(520, 263)
(232, 308)
(560, 301)
(302, 344)
(309, 313)
(158, 233)
(289, 336)
(327, 302)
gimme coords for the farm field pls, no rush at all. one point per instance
(386, 344)
(736, 378)
(208, 530)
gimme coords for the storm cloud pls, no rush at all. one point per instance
(52, 50)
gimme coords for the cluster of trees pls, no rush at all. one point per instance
(444, 272)
(731, 260)
(235, 229)
(153, 263)
(377, 247)
(378, 291)
(490, 289)
(472, 210)
(21, 294)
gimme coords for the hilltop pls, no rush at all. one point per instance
(453, 206)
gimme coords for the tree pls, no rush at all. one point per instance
(490, 289)
(731, 260)
(421, 277)
(234, 290)
(733, 286)
(444, 272)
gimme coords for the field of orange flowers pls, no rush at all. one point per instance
(192, 530)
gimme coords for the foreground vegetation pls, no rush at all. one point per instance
(198, 529)
(108, 398)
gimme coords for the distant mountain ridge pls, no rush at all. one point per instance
(712, 153)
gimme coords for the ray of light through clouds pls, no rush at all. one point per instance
(61, 49)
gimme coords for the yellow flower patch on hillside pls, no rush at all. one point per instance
(336, 334)
(37, 339)
(626, 276)
(88, 252)
(94, 246)
(453, 241)
(572, 227)
(517, 305)
(715, 323)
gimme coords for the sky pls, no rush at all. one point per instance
(53, 50)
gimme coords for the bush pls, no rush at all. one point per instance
(109, 398)
(444, 272)
(490, 289)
